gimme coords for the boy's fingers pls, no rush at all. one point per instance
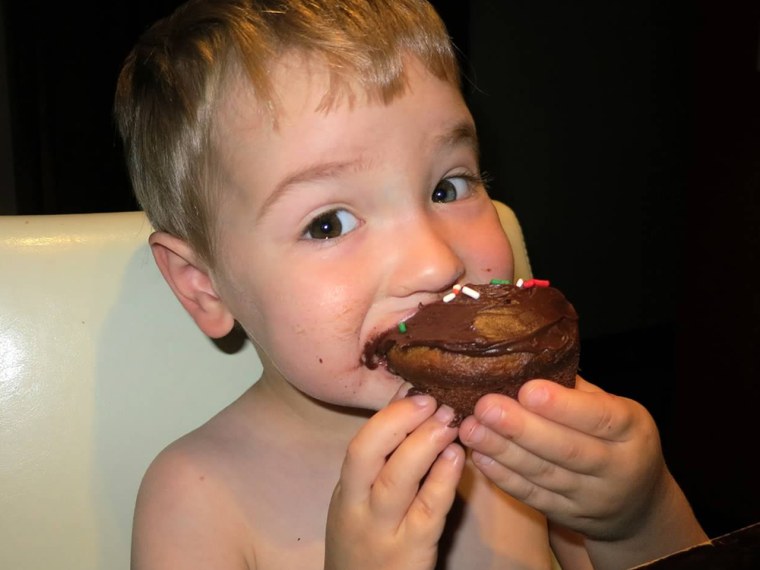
(587, 409)
(399, 480)
(556, 465)
(516, 485)
(437, 494)
(381, 435)
(527, 442)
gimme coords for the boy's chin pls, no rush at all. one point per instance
(390, 390)
(395, 389)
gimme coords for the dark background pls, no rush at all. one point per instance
(626, 136)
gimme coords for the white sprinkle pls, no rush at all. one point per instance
(457, 288)
(470, 292)
(519, 283)
(450, 297)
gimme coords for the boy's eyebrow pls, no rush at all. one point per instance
(309, 173)
(462, 133)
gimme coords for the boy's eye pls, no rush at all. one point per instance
(452, 188)
(331, 224)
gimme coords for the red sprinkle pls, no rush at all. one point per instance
(535, 283)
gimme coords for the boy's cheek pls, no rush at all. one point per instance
(491, 256)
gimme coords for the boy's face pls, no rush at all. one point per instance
(336, 225)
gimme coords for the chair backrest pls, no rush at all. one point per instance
(94, 349)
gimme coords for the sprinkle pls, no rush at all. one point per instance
(500, 282)
(519, 283)
(535, 283)
(402, 327)
(470, 292)
(455, 290)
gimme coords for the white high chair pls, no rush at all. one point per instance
(94, 349)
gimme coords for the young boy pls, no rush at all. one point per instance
(312, 173)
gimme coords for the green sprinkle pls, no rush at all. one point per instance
(402, 327)
(500, 282)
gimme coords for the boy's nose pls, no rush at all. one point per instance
(424, 260)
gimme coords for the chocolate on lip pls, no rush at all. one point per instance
(369, 356)
(494, 343)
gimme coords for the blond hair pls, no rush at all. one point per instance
(171, 81)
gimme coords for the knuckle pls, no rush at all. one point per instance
(352, 451)
(546, 469)
(385, 483)
(529, 493)
(608, 414)
(571, 452)
(355, 454)
(604, 424)
(424, 509)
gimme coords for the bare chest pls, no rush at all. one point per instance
(286, 512)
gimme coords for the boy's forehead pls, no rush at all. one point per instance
(246, 125)
(301, 82)
(244, 117)
(237, 101)
(247, 128)
(297, 85)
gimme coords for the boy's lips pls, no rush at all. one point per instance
(369, 356)
(389, 324)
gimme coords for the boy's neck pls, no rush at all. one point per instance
(286, 407)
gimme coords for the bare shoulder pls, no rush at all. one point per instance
(238, 492)
(186, 515)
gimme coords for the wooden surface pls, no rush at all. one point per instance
(739, 550)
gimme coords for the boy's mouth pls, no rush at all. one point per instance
(373, 354)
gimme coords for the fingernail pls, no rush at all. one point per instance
(444, 414)
(492, 415)
(536, 396)
(449, 453)
(421, 400)
(476, 434)
(480, 459)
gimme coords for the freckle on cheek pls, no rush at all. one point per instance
(320, 361)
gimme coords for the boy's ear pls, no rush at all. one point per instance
(191, 283)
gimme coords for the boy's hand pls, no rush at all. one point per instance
(396, 487)
(589, 460)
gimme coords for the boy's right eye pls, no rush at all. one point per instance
(332, 224)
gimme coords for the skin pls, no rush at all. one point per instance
(592, 463)
(322, 463)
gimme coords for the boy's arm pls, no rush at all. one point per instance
(591, 462)
(659, 538)
(670, 526)
(397, 485)
(569, 548)
(184, 520)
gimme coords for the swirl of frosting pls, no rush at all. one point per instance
(504, 319)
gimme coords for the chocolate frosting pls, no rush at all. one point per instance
(505, 319)
(460, 350)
